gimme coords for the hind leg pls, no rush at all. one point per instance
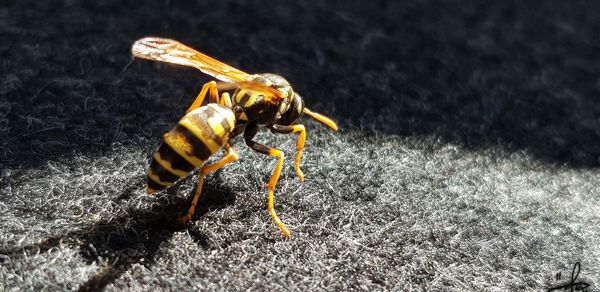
(210, 88)
(230, 156)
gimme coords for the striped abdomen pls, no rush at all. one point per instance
(197, 136)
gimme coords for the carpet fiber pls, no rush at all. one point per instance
(467, 156)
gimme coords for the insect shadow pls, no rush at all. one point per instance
(115, 245)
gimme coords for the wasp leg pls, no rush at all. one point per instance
(299, 145)
(230, 156)
(225, 100)
(248, 135)
(211, 88)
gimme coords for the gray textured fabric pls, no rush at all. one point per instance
(467, 157)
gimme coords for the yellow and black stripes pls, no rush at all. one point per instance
(199, 134)
(197, 149)
(256, 107)
(166, 168)
(247, 98)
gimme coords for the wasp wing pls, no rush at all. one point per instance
(171, 51)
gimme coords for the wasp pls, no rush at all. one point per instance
(258, 100)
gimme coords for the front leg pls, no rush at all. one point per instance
(299, 145)
(250, 132)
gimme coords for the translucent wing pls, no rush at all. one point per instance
(171, 51)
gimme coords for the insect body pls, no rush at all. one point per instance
(259, 100)
(198, 135)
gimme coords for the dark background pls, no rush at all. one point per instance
(467, 157)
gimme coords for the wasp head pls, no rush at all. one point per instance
(293, 112)
(289, 104)
(276, 82)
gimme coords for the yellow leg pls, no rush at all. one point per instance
(299, 145)
(225, 100)
(230, 156)
(271, 185)
(210, 88)
(249, 133)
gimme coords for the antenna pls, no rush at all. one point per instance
(321, 118)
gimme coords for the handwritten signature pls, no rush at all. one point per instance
(572, 285)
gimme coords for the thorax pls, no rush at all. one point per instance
(256, 107)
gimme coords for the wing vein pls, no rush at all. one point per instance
(171, 51)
